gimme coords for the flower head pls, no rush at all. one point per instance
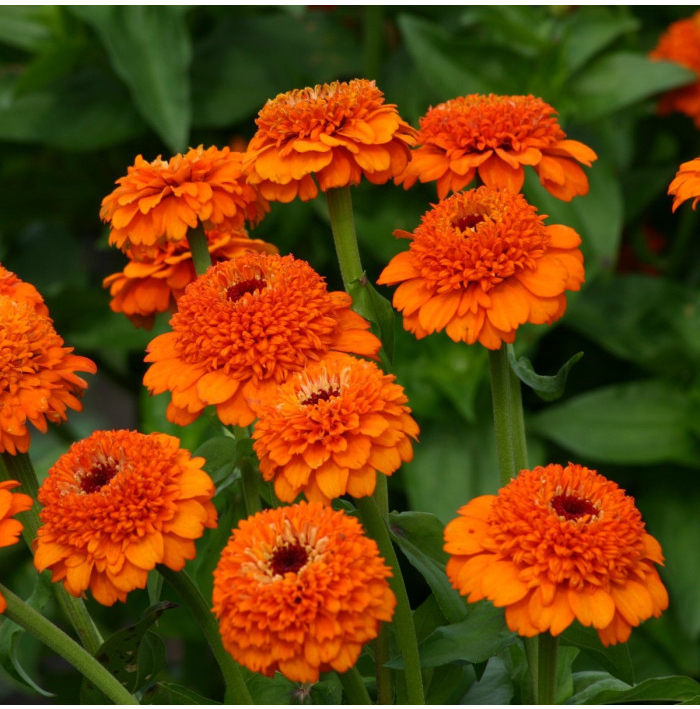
(11, 503)
(159, 201)
(242, 328)
(338, 132)
(480, 264)
(330, 429)
(681, 44)
(115, 505)
(496, 136)
(300, 589)
(558, 544)
(38, 379)
(14, 287)
(686, 184)
(156, 276)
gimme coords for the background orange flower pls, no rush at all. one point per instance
(300, 589)
(156, 276)
(558, 544)
(161, 200)
(480, 264)
(338, 132)
(37, 373)
(681, 44)
(686, 184)
(11, 503)
(12, 286)
(115, 505)
(496, 136)
(330, 428)
(242, 328)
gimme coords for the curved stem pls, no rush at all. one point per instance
(199, 247)
(403, 618)
(46, 632)
(19, 467)
(343, 227)
(236, 690)
(353, 687)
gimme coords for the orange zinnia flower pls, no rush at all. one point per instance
(495, 136)
(300, 589)
(37, 373)
(331, 427)
(242, 328)
(115, 505)
(156, 276)
(14, 287)
(338, 132)
(686, 184)
(558, 544)
(11, 503)
(161, 200)
(681, 44)
(480, 264)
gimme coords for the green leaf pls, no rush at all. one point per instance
(616, 658)
(448, 683)
(638, 423)
(618, 80)
(375, 308)
(419, 535)
(272, 690)
(481, 635)
(222, 454)
(656, 689)
(589, 684)
(494, 687)
(565, 682)
(548, 388)
(11, 634)
(131, 655)
(24, 26)
(149, 48)
(169, 693)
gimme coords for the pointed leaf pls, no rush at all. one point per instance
(375, 308)
(616, 658)
(655, 690)
(494, 687)
(548, 388)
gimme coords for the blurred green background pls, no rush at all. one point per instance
(83, 90)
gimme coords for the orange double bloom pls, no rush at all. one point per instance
(11, 503)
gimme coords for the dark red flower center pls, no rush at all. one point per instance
(323, 395)
(288, 559)
(238, 290)
(572, 507)
(100, 474)
(469, 221)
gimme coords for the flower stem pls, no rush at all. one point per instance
(19, 467)
(546, 687)
(343, 227)
(354, 687)
(511, 444)
(377, 528)
(199, 247)
(249, 476)
(54, 638)
(236, 690)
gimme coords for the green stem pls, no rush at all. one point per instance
(373, 22)
(354, 687)
(199, 247)
(343, 228)
(511, 444)
(55, 639)
(546, 687)
(19, 467)
(236, 690)
(249, 476)
(405, 630)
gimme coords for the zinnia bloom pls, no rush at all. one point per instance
(115, 505)
(300, 589)
(156, 276)
(161, 200)
(330, 428)
(11, 503)
(480, 264)
(37, 373)
(496, 136)
(686, 184)
(14, 287)
(558, 544)
(681, 44)
(338, 132)
(242, 328)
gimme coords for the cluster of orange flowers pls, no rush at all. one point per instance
(301, 589)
